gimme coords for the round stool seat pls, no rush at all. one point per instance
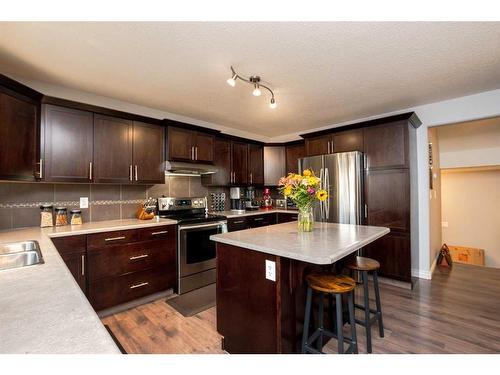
(329, 283)
(363, 264)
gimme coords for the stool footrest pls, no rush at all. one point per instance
(361, 307)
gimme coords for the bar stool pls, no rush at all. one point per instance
(336, 285)
(365, 265)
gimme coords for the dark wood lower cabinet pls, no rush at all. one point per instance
(238, 223)
(393, 251)
(282, 217)
(263, 220)
(73, 252)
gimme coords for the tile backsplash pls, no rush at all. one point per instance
(20, 201)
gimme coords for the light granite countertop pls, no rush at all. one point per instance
(42, 308)
(326, 244)
(233, 214)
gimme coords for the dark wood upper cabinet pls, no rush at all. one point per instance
(274, 164)
(148, 155)
(255, 164)
(113, 150)
(19, 137)
(318, 145)
(190, 146)
(351, 140)
(239, 164)
(293, 154)
(387, 195)
(204, 148)
(68, 144)
(386, 146)
(222, 162)
(180, 144)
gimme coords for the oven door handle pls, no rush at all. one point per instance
(208, 225)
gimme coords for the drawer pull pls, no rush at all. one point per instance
(114, 238)
(139, 257)
(160, 232)
(258, 219)
(138, 285)
(239, 222)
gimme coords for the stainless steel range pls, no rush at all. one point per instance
(196, 256)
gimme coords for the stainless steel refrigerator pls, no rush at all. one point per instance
(341, 176)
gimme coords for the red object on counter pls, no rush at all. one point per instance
(267, 202)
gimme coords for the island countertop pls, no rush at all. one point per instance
(326, 244)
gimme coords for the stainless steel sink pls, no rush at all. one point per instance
(20, 254)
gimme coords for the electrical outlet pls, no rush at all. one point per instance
(84, 202)
(270, 270)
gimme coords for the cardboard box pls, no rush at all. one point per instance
(467, 255)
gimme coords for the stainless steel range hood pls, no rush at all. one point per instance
(174, 168)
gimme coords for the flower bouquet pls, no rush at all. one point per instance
(304, 190)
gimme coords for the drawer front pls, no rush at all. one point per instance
(287, 217)
(154, 233)
(70, 244)
(261, 220)
(235, 224)
(99, 240)
(122, 259)
(113, 291)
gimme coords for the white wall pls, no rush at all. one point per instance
(470, 144)
(472, 107)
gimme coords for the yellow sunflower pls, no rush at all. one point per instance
(322, 195)
(288, 190)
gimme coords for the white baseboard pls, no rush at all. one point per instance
(425, 274)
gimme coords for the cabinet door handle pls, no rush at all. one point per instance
(251, 178)
(83, 265)
(192, 152)
(40, 173)
(142, 256)
(239, 222)
(160, 232)
(115, 238)
(130, 172)
(328, 144)
(258, 219)
(196, 153)
(139, 285)
(136, 174)
(366, 211)
(90, 170)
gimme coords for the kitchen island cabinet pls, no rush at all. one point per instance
(273, 308)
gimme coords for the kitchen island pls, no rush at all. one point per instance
(260, 280)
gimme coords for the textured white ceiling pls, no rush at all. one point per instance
(322, 73)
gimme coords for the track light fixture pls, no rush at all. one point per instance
(255, 81)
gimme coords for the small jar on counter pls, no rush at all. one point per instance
(46, 218)
(61, 216)
(76, 217)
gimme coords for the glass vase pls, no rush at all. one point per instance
(305, 221)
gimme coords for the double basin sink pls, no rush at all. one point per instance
(20, 254)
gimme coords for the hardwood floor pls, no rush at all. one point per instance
(456, 312)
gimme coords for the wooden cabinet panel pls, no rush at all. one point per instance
(388, 198)
(148, 155)
(19, 138)
(255, 164)
(245, 295)
(180, 144)
(393, 251)
(386, 146)
(318, 145)
(68, 144)
(282, 217)
(204, 152)
(274, 165)
(99, 240)
(112, 149)
(256, 221)
(237, 223)
(222, 162)
(348, 141)
(239, 163)
(293, 154)
(154, 233)
(122, 259)
(73, 252)
(113, 291)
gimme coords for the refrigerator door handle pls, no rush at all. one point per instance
(327, 201)
(321, 204)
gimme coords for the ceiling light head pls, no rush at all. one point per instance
(232, 81)
(256, 91)
(273, 104)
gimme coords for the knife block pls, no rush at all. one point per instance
(141, 214)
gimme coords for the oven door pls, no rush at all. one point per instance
(196, 250)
